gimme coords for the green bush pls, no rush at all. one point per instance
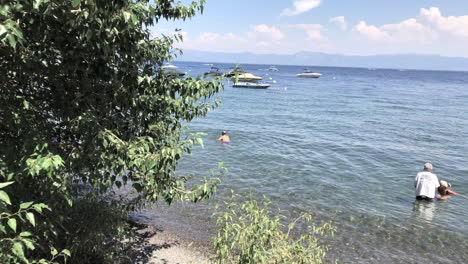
(249, 232)
(19, 227)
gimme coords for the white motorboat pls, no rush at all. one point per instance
(234, 71)
(246, 77)
(169, 66)
(309, 74)
(273, 68)
(172, 70)
(251, 85)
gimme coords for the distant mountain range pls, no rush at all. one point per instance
(409, 61)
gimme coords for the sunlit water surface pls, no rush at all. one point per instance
(346, 148)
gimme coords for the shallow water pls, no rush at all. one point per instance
(347, 147)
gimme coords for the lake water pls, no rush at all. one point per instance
(346, 147)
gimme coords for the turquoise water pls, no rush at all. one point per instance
(346, 147)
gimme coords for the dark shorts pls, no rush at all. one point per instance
(425, 198)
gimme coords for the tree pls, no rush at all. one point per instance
(85, 107)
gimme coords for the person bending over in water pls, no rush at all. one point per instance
(444, 191)
(224, 138)
(426, 184)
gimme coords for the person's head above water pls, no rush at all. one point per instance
(224, 133)
(445, 184)
(428, 167)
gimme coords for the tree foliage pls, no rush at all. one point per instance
(84, 103)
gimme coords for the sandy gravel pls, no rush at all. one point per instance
(155, 246)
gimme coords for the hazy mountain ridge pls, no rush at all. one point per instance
(402, 61)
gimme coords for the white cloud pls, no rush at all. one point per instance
(301, 6)
(409, 30)
(457, 26)
(263, 38)
(209, 37)
(372, 32)
(265, 32)
(428, 27)
(313, 31)
(340, 21)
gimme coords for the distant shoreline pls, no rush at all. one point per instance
(319, 66)
(316, 59)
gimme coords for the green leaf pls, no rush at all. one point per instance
(26, 205)
(69, 201)
(4, 197)
(53, 251)
(29, 244)
(5, 184)
(38, 207)
(200, 142)
(76, 3)
(18, 250)
(31, 219)
(66, 252)
(38, 3)
(12, 223)
(12, 40)
(25, 234)
(2, 30)
(126, 15)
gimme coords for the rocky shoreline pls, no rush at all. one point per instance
(166, 235)
(157, 246)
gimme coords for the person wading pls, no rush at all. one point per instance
(224, 138)
(426, 184)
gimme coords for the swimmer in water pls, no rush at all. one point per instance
(444, 191)
(224, 138)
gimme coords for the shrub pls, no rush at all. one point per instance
(250, 233)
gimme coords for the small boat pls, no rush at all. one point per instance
(214, 72)
(309, 74)
(246, 77)
(175, 73)
(172, 70)
(234, 71)
(169, 66)
(273, 68)
(251, 85)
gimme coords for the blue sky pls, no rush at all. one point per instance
(353, 27)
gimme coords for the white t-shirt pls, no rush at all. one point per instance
(426, 183)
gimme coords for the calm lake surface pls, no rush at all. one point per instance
(346, 148)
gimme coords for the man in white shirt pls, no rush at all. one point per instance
(426, 184)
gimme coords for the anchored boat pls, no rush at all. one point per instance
(250, 85)
(309, 74)
(246, 77)
(214, 72)
(172, 70)
(234, 71)
(273, 68)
